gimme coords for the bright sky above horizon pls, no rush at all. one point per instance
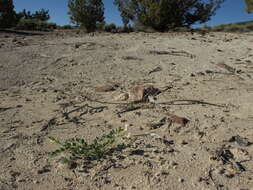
(231, 11)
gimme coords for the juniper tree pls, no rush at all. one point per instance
(249, 4)
(8, 17)
(86, 13)
(163, 15)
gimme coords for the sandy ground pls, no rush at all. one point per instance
(43, 76)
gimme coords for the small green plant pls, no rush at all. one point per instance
(78, 148)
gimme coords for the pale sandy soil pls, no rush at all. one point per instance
(42, 77)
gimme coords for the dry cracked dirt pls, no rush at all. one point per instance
(206, 79)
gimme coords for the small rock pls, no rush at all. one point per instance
(43, 170)
(181, 180)
(179, 120)
(20, 180)
(77, 45)
(36, 182)
(184, 142)
(106, 88)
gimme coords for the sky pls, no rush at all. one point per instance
(231, 11)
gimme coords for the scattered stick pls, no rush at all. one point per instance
(128, 109)
(91, 111)
(185, 102)
(8, 108)
(172, 52)
(227, 67)
(5, 109)
(230, 69)
(55, 61)
(131, 58)
(189, 102)
(173, 102)
(211, 177)
(157, 69)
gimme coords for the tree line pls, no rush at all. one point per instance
(160, 15)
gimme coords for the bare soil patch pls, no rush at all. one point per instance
(196, 133)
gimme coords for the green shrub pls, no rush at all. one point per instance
(233, 28)
(35, 24)
(66, 27)
(125, 29)
(79, 149)
(181, 29)
(138, 27)
(250, 27)
(110, 28)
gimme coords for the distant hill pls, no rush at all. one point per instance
(233, 27)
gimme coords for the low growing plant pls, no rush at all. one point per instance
(79, 149)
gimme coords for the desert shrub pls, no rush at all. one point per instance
(233, 27)
(100, 26)
(219, 28)
(207, 28)
(110, 28)
(35, 24)
(125, 29)
(250, 27)
(66, 27)
(139, 27)
(181, 29)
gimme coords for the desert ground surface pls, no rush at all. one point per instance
(205, 82)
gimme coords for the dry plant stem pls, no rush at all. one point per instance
(128, 110)
(190, 102)
(98, 109)
(211, 177)
(173, 102)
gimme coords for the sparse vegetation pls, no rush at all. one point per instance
(67, 26)
(78, 148)
(233, 27)
(35, 24)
